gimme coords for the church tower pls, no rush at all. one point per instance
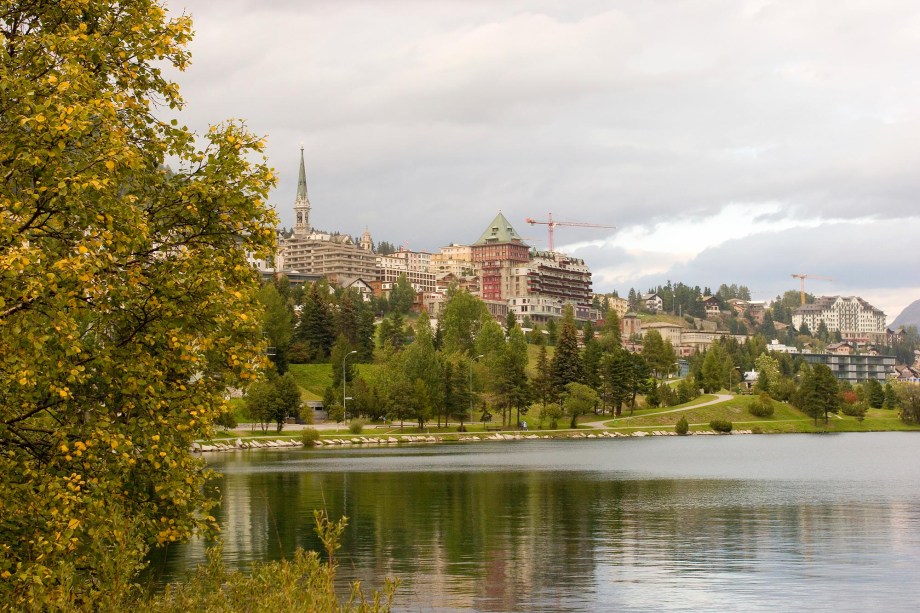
(302, 203)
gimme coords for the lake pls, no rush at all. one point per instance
(774, 522)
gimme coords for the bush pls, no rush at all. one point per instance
(355, 426)
(682, 427)
(857, 410)
(762, 407)
(309, 437)
(302, 583)
(721, 425)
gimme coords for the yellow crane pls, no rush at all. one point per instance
(802, 278)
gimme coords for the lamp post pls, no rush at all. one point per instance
(730, 373)
(471, 386)
(343, 381)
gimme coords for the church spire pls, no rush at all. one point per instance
(302, 180)
(302, 202)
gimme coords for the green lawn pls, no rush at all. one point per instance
(313, 379)
(786, 418)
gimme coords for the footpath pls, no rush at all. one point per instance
(619, 420)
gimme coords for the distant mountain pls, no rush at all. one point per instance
(910, 316)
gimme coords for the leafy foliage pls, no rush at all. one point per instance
(303, 584)
(273, 401)
(127, 305)
(763, 406)
(682, 427)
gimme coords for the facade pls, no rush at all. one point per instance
(618, 305)
(334, 256)
(541, 288)
(854, 368)
(412, 264)
(652, 302)
(711, 305)
(853, 317)
(454, 259)
(497, 252)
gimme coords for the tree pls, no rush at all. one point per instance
(567, 364)
(274, 400)
(768, 371)
(543, 380)
(127, 304)
(714, 371)
(277, 325)
(512, 388)
(875, 394)
(392, 331)
(682, 427)
(909, 400)
(615, 371)
(316, 328)
(579, 400)
(463, 317)
(402, 295)
(637, 380)
(817, 393)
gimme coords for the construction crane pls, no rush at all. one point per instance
(802, 278)
(551, 223)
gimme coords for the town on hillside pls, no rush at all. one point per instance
(534, 288)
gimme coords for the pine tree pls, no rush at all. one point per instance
(567, 366)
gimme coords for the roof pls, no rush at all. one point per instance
(499, 231)
(302, 181)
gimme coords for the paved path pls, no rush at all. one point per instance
(600, 424)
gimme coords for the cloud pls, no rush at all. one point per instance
(669, 120)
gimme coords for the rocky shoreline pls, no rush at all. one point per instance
(417, 439)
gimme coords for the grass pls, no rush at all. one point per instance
(313, 379)
(533, 354)
(785, 419)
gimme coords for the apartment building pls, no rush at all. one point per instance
(853, 317)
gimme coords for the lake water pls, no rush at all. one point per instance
(679, 523)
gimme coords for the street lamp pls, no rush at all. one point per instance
(343, 380)
(730, 373)
(471, 386)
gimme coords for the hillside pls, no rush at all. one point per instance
(910, 316)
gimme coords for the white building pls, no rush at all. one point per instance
(852, 316)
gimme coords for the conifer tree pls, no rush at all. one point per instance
(567, 366)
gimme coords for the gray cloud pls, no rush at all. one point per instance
(421, 120)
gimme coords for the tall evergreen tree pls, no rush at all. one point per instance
(316, 326)
(567, 363)
(543, 380)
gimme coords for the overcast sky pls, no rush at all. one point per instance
(728, 141)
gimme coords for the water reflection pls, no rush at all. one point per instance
(737, 522)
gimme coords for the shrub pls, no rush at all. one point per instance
(355, 426)
(682, 427)
(721, 425)
(762, 407)
(309, 437)
(857, 410)
(302, 583)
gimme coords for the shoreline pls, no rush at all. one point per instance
(352, 441)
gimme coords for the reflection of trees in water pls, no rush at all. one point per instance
(525, 540)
